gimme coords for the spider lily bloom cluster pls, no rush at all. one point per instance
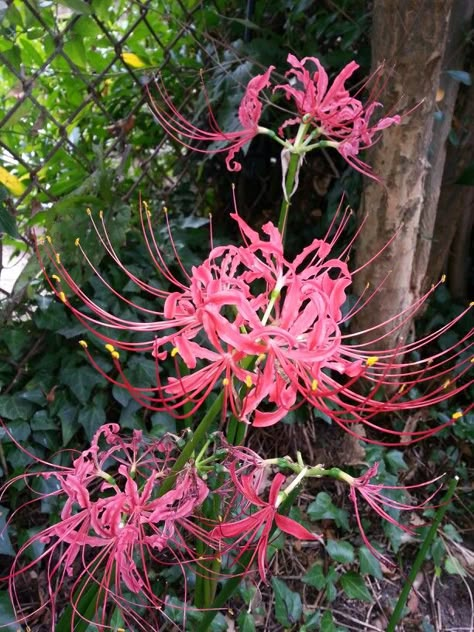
(252, 528)
(269, 333)
(372, 492)
(115, 527)
(327, 115)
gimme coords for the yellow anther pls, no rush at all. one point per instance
(165, 210)
(88, 211)
(101, 214)
(248, 381)
(58, 258)
(314, 385)
(371, 360)
(174, 352)
(226, 381)
(471, 304)
(76, 241)
(443, 278)
(457, 415)
(446, 383)
(402, 388)
(62, 297)
(110, 348)
(83, 344)
(261, 357)
(55, 278)
(115, 355)
(48, 239)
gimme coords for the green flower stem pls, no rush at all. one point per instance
(199, 436)
(420, 558)
(289, 184)
(297, 151)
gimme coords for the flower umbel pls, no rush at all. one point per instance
(254, 529)
(270, 333)
(178, 127)
(373, 494)
(115, 529)
(327, 115)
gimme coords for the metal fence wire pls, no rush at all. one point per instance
(73, 121)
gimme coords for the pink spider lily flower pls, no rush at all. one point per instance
(270, 333)
(179, 128)
(335, 115)
(255, 529)
(372, 493)
(114, 529)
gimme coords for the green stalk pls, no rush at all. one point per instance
(199, 436)
(420, 558)
(289, 184)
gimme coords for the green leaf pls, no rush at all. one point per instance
(340, 551)
(454, 567)
(5, 544)
(90, 418)
(246, 622)
(7, 616)
(15, 407)
(322, 508)
(327, 623)
(369, 565)
(288, 606)
(81, 381)
(78, 6)
(395, 461)
(461, 76)
(7, 222)
(315, 576)
(354, 586)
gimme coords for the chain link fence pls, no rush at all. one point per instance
(73, 119)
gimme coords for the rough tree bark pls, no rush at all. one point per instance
(410, 38)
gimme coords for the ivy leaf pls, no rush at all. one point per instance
(354, 587)
(81, 381)
(369, 564)
(315, 577)
(91, 418)
(7, 616)
(322, 508)
(246, 622)
(395, 461)
(5, 544)
(288, 606)
(340, 551)
(15, 407)
(327, 623)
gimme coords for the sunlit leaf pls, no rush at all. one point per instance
(133, 60)
(11, 182)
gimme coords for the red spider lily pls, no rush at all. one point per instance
(373, 495)
(254, 530)
(332, 111)
(250, 110)
(270, 333)
(114, 527)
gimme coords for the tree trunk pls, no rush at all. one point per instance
(409, 37)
